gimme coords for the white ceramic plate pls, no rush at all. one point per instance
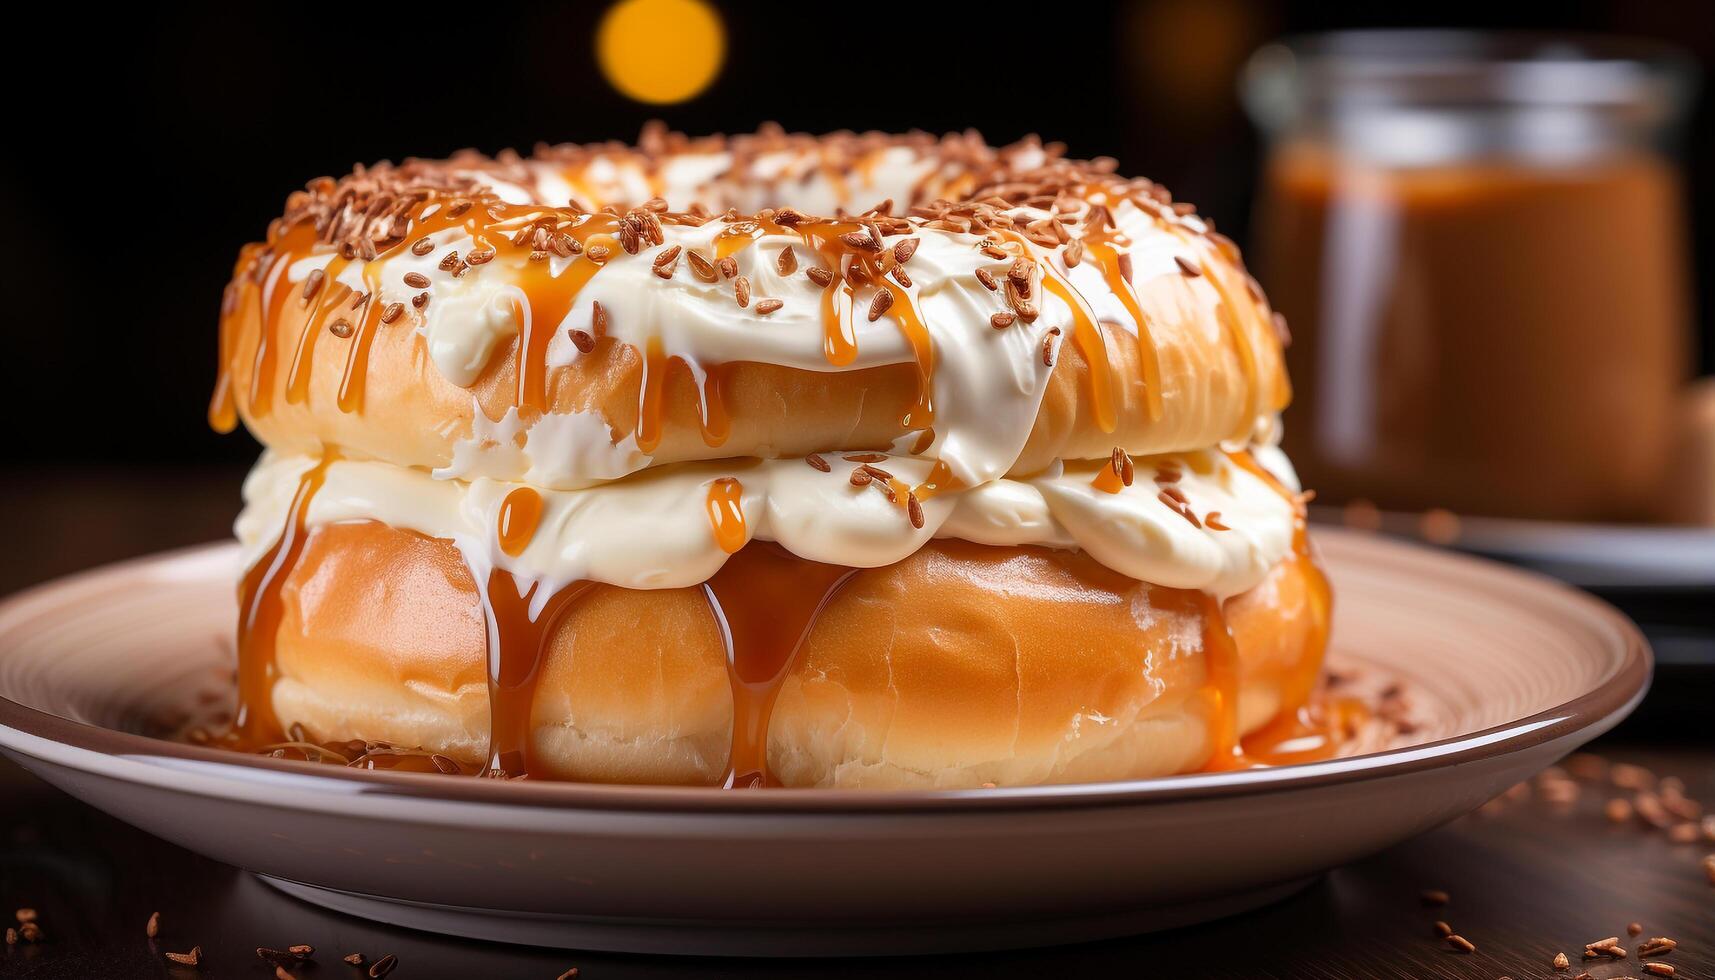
(1515, 671)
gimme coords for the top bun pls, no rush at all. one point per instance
(569, 317)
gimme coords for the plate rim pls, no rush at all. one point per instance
(1580, 553)
(1595, 710)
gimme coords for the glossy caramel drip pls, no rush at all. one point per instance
(1088, 336)
(548, 300)
(330, 297)
(354, 379)
(738, 236)
(222, 403)
(651, 396)
(940, 480)
(517, 642)
(222, 409)
(765, 601)
(1221, 687)
(839, 332)
(520, 513)
(1107, 480)
(1241, 339)
(1310, 724)
(921, 444)
(272, 297)
(716, 421)
(920, 414)
(726, 513)
(1106, 256)
(260, 609)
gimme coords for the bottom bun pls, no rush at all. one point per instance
(960, 666)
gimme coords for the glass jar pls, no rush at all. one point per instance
(1478, 241)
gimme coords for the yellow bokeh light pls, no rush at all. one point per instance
(660, 51)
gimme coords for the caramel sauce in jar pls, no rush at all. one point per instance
(1478, 243)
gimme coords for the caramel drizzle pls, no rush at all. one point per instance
(839, 323)
(354, 379)
(1092, 345)
(765, 600)
(1108, 480)
(1107, 258)
(520, 513)
(517, 645)
(941, 479)
(726, 513)
(261, 608)
(549, 298)
(1221, 687)
(271, 300)
(331, 294)
(1086, 334)
(1241, 341)
(222, 406)
(1306, 727)
(920, 414)
(839, 315)
(1309, 725)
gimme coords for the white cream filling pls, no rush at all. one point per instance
(652, 530)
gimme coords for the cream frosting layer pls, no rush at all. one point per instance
(653, 530)
(987, 384)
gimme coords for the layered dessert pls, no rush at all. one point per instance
(844, 461)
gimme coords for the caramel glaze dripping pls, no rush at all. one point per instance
(517, 643)
(353, 380)
(726, 513)
(1306, 727)
(651, 396)
(941, 479)
(1088, 336)
(520, 512)
(517, 639)
(1241, 342)
(1221, 687)
(260, 609)
(920, 414)
(1105, 254)
(765, 601)
(222, 405)
(549, 298)
(1108, 480)
(329, 297)
(1086, 333)
(1310, 725)
(272, 295)
(846, 264)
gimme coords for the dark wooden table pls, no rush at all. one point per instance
(1528, 878)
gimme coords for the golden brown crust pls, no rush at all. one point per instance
(961, 665)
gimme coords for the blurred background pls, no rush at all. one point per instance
(1523, 256)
